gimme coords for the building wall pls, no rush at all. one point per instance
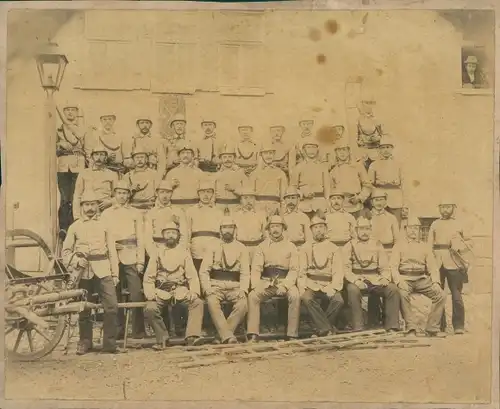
(408, 60)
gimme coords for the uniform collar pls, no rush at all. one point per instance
(144, 169)
(377, 212)
(343, 162)
(332, 210)
(119, 206)
(211, 136)
(86, 218)
(200, 205)
(141, 135)
(97, 169)
(159, 205)
(281, 239)
(296, 210)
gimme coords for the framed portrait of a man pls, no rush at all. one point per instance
(474, 74)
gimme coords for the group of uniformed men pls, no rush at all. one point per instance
(183, 221)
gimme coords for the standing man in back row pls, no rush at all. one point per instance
(207, 147)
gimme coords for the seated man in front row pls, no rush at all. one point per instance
(170, 276)
(321, 278)
(366, 269)
(225, 276)
(275, 268)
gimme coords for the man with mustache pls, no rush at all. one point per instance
(225, 276)
(285, 157)
(97, 179)
(110, 140)
(341, 224)
(251, 222)
(298, 231)
(228, 179)
(89, 252)
(207, 147)
(384, 224)
(176, 141)
(446, 236)
(270, 182)
(414, 271)
(275, 269)
(171, 277)
(162, 213)
(312, 179)
(154, 146)
(351, 178)
(203, 222)
(386, 174)
(70, 145)
(184, 177)
(142, 179)
(321, 278)
(367, 271)
(125, 224)
(246, 150)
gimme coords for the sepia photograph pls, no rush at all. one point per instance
(208, 203)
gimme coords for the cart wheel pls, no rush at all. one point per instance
(25, 340)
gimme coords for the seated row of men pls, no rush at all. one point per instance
(216, 265)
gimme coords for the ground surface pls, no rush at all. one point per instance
(455, 369)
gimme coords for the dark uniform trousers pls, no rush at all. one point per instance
(154, 310)
(455, 280)
(324, 320)
(107, 294)
(66, 182)
(130, 277)
(392, 302)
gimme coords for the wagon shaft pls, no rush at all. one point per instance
(50, 297)
(74, 307)
(30, 316)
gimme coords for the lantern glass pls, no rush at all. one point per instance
(51, 68)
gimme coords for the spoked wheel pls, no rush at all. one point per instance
(30, 332)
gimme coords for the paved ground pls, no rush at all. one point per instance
(455, 369)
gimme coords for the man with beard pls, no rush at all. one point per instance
(246, 150)
(386, 174)
(306, 126)
(369, 132)
(351, 178)
(110, 140)
(285, 153)
(176, 142)
(414, 271)
(384, 224)
(183, 179)
(341, 224)
(270, 182)
(229, 179)
(366, 270)
(207, 147)
(321, 278)
(126, 227)
(312, 179)
(70, 153)
(162, 213)
(203, 223)
(225, 276)
(97, 179)
(171, 277)
(275, 269)
(153, 145)
(298, 231)
(251, 222)
(446, 236)
(89, 253)
(142, 179)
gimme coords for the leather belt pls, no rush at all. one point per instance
(225, 275)
(97, 257)
(387, 186)
(268, 198)
(159, 240)
(318, 194)
(274, 272)
(413, 273)
(362, 271)
(227, 201)
(127, 242)
(205, 234)
(388, 245)
(208, 166)
(184, 201)
(318, 277)
(441, 247)
(251, 243)
(298, 242)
